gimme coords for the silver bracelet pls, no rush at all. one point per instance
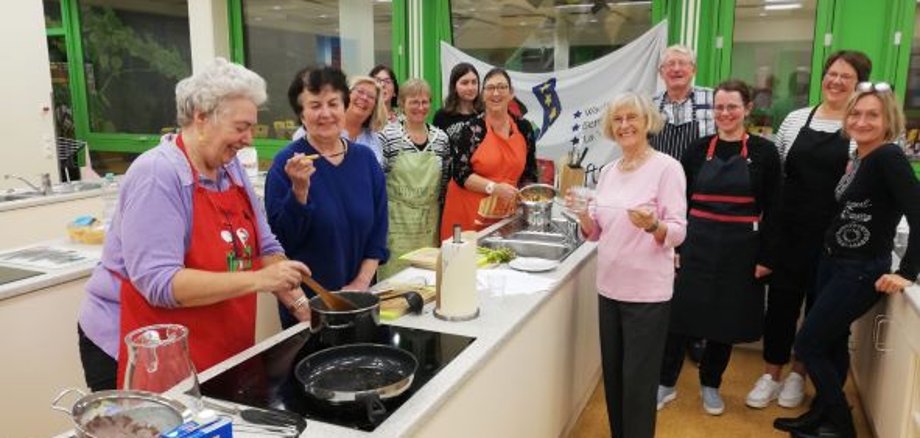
(298, 303)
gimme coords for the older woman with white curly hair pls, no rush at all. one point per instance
(188, 244)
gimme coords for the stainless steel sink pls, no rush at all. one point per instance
(77, 186)
(555, 241)
(18, 196)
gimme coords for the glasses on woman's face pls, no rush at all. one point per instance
(384, 81)
(869, 87)
(418, 102)
(623, 119)
(842, 77)
(492, 88)
(366, 95)
(730, 108)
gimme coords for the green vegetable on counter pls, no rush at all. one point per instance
(497, 255)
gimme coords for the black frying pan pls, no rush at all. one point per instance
(353, 374)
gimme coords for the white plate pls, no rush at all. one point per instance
(533, 264)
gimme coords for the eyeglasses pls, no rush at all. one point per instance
(869, 87)
(364, 94)
(622, 120)
(726, 108)
(676, 63)
(415, 103)
(834, 76)
(384, 81)
(501, 88)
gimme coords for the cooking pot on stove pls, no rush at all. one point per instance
(537, 200)
(346, 327)
(138, 413)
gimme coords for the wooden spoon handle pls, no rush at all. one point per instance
(332, 301)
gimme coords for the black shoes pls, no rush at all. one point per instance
(808, 421)
(825, 430)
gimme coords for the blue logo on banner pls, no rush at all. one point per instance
(549, 101)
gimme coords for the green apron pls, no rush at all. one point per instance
(413, 186)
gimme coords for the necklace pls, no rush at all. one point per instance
(633, 164)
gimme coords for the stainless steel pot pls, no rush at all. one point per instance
(141, 407)
(346, 327)
(537, 200)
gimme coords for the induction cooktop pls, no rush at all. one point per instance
(267, 380)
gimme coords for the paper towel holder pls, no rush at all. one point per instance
(456, 238)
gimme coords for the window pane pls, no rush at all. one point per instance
(546, 35)
(285, 35)
(772, 53)
(52, 13)
(134, 53)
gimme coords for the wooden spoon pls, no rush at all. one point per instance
(332, 301)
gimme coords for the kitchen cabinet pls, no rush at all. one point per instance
(885, 366)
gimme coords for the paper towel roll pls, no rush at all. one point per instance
(458, 299)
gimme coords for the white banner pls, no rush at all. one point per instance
(567, 106)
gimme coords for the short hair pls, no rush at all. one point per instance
(314, 80)
(641, 104)
(219, 81)
(856, 59)
(413, 87)
(736, 85)
(378, 118)
(677, 49)
(452, 102)
(379, 68)
(891, 112)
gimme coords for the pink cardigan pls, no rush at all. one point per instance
(631, 265)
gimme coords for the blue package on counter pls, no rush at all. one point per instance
(219, 427)
(84, 221)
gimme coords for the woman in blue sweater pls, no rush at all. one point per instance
(326, 196)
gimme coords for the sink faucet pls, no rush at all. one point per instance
(45, 183)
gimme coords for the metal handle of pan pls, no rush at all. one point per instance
(373, 405)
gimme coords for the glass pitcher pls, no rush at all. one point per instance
(158, 360)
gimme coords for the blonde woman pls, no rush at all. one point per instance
(638, 219)
(416, 163)
(855, 268)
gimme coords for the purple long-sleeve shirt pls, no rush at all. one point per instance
(149, 237)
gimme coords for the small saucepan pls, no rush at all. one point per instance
(336, 328)
(357, 374)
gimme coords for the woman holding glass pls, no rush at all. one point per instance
(878, 188)
(733, 184)
(417, 158)
(495, 154)
(815, 156)
(638, 218)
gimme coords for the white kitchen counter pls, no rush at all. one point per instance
(450, 398)
(50, 276)
(54, 198)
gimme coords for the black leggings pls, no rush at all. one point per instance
(99, 369)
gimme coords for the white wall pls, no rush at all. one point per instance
(26, 119)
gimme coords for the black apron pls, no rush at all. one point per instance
(674, 139)
(715, 293)
(814, 164)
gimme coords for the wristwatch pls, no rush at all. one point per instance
(490, 187)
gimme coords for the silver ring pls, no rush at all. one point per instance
(297, 304)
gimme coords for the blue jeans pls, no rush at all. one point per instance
(844, 291)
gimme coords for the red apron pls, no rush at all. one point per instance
(224, 238)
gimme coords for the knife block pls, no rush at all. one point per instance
(570, 177)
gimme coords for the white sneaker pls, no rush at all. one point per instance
(793, 391)
(765, 391)
(712, 401)
(666, 394)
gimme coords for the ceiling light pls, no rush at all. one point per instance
(782, 6)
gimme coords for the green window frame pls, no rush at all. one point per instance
(268, 147)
